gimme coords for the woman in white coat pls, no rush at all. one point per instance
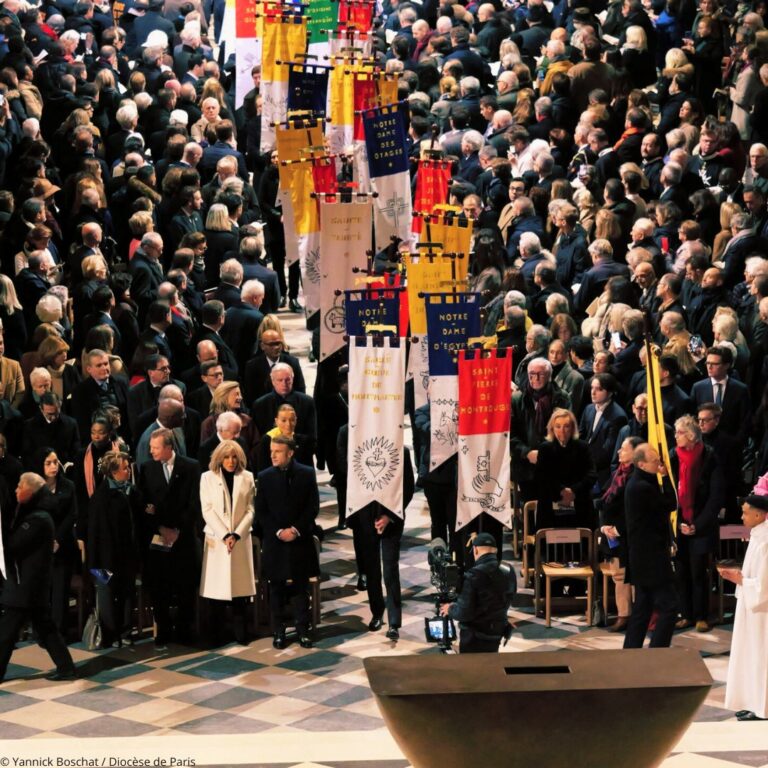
(227, 495)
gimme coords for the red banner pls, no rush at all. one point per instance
(356, 15)
(432, 180)
(365, 99)
(485, 393)
(324, 178)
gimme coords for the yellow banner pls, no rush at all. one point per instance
(657, 436)
(283, 41)
(425, 276)
(293, 142)
(454, 235)
(387, 89)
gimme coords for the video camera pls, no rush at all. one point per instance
(445, 577)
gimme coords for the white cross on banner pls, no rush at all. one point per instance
(376, 408)
(386, 146)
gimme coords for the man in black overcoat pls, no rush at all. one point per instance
(287, 504)
(649, 539)
(170, 487)
(28, 566)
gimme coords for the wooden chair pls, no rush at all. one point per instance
(604, 569)
(562, 553)
(731, 547)
(259, 599)
(517, 519)
(314, 590)
(529, 540)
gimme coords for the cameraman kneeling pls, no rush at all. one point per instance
(481, 609)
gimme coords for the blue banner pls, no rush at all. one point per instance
(362, 312)
(386, 141)
(308, 90)
(448, 328)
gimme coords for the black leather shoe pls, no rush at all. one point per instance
(742, 712)
(306, 641)
(362, 583)
(283, 302)
(294, 306)
(279, 639)
(393, 634)
(375, 624)
(749, 716)
(64, 674)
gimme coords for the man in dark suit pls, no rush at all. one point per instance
(97, 390)
(211, 374)
(146, 271)
(228, 427)
(600, 424)
(213, 317)
(243, 321)
(144, 395)
(286, 507)
(251, 250)
(191, 420)
(159, 321)
(222, 148)
(648, 541)
(151, 19)
(743, 244)
(206, 352)
(722, 389)
(49, 428)
(265, 408)
(257, 380)
(26, 593)
(595, 278)
(231, 277)
(170, 488)
(103, 302)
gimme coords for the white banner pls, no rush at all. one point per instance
(309, 263)
(484, 477)
(274, 109)
(376, 407)
(248, 54)
(443, 419)
(418, 370)
(393, 208)
(345, 236)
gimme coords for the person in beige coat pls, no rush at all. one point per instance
(227, 494)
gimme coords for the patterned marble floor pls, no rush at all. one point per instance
(256, 706)
(259, 706)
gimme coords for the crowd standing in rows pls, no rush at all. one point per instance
(614, 160)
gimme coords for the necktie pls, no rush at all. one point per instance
(718, 394)
(167, 472)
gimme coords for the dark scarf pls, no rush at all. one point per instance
(618, 481)
(542, 399)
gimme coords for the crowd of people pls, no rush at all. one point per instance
(613, 158)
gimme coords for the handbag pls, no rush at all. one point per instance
(92, 631)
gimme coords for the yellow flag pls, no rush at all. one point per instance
(425, 276)
(284, 39)
(657, 436)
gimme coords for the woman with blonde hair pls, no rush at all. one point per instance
(636, 57)
(723, 237)
(12, 319)
(139, 224)
(227, 493)
(588, 208)
(53, 357)
(221, 237)
(564, 475)
(523, 113)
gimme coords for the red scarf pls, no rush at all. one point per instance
(629, 132)
(690, 473)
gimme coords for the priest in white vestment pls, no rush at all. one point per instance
(747, 688)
